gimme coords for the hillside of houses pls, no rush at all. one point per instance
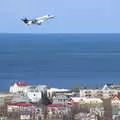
(40, 102)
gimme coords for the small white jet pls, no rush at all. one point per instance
(37, 21)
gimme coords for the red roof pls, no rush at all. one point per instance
(9, 103)
(55, 105)
(21, 104)
(25, 104)
(114, 96)
(21, 83)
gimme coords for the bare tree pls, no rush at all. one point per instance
(107, 109)
(76, 90)
(44, 102)
(74, 110)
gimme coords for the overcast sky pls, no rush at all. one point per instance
(72, 16)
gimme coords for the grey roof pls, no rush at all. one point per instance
(37, 88)
(60, 97)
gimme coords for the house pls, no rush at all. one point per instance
(18, 87)
(105, 91)
(74, 100)
(57, 109)
(115, 101)
(13, 106)
(34, 92)
(5, 97)
(20, 98)
(60, 99)
(84, 100)
(55, 91)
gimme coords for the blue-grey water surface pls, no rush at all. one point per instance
(59, 60)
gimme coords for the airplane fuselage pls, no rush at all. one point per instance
(37, 21)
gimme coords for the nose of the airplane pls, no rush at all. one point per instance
(53, 16)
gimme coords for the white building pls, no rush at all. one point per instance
(18, 87)
(51, 91)
(115, 101)
(34, 93)
(84, 100)
(60, 99)
(19, 98)
(106, 91)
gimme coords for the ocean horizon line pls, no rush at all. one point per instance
(58, 33)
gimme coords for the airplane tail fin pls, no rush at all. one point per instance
(25, 20)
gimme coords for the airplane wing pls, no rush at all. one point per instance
(40, 21)
(29, 22)
(46, 17)
(39, 18)
(42, 18)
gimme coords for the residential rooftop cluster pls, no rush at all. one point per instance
(40, 102)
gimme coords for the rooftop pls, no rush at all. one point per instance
(22, 83)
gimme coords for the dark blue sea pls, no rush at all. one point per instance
(59, 60)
